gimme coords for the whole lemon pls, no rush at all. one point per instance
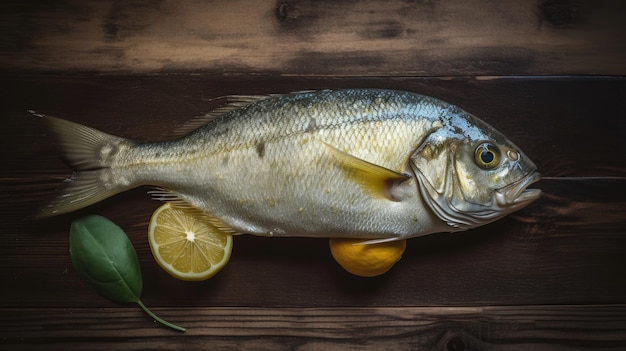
(366, 260)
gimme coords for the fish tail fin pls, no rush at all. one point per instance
(90, 153)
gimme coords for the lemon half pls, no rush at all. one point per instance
(185, 245)
(366, 260)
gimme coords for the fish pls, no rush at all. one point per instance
(375, 164)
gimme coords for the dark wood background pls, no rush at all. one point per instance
(549, 74)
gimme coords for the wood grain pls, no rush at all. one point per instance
(547, 253)
(549, 74)
(297, 37)
(407, 328)
(566, 251)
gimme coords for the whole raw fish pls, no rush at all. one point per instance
(374, 164)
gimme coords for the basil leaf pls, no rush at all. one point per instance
(106, 260)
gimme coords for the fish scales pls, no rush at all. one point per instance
(331, 163)
(293, 134)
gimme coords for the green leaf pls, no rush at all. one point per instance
(106, 260)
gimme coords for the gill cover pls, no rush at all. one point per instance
(435, 167)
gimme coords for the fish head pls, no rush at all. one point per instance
(470, 174)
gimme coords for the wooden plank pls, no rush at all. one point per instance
(415, 328)
(297, 37)
(567, 248)
(532, 112)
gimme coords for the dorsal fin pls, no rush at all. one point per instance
(233, 102)
(376, 180)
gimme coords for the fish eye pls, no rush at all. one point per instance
(487, 156)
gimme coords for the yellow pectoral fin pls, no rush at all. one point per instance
(376, 180)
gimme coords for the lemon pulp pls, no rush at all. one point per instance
(185, 245)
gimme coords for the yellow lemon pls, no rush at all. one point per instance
(186, 246)
(366, 260)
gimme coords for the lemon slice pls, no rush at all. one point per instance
(185, 245)
(366, 260)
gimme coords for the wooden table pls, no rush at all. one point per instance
(548, 74)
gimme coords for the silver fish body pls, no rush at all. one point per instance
(375, 164)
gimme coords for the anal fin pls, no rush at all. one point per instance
(177, 200)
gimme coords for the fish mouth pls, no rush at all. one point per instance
(516, 194)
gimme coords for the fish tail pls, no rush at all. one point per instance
(90, 153)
